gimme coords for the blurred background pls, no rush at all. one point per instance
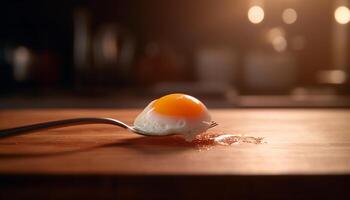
(123, 53)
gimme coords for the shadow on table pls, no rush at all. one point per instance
(146, 145)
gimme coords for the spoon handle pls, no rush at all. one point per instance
(60, 123)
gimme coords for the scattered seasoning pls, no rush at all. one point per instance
(207, 140)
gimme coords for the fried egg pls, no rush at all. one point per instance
(174, 114)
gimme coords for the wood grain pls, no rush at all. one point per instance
(299, 141)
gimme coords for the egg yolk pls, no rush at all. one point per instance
(179, 105)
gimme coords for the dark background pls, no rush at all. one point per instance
(156, 45)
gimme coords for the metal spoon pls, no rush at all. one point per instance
(72, 122)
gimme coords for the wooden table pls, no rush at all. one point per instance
(307, 153)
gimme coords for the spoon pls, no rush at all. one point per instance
(77, 121)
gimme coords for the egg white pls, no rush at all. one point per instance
(154, 123)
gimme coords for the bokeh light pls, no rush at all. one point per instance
(256, 14)
(279, 43)
(289, 16)
(342, 15)
(275, 32)
(277, 38)
(332, 76)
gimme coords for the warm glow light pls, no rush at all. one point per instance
(109, 45)
(256, 14)
(342, 15)
(21, 61)
(289, 16)
(332, 76)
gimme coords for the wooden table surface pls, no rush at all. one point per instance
(299, 142)
(307, 156)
